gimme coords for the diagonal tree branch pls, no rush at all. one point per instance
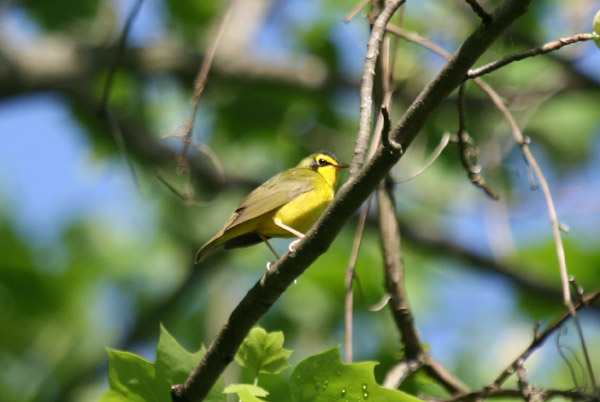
(352, 194)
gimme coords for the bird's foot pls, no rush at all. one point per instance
(292, 246)
(264, 277)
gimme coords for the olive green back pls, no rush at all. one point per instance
(273, 194)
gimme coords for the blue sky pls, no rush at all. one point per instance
(49, 176)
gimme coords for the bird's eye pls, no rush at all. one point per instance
(322, 162)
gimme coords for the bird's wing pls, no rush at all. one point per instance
(273, 194)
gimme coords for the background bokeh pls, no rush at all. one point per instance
(95, 251)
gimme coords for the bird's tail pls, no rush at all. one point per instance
(211, 246)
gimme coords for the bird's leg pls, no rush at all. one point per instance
(292, 231)
(264, 238)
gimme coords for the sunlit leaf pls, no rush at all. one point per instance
(133, 378)
(263, 352)
(324, 378)
(254, 390)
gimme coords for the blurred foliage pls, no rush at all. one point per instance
(103, 282)
(61, 15)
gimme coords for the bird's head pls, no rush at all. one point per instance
(326, 164)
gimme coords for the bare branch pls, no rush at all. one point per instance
(350, 196)
(546, 48)
(119, 53)
(467, 154)
(149, 149)
(362, 4)
(186, 197)
(394, 274)
(382, 128)
(429, 161)
(540, 338)
(394, 283)
(398, 373)
(526, 390)
(502, 393)
(200, 82)
(350, 276)
(366, 88)
(113, 124)
(531, 162)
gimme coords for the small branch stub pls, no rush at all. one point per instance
(386, 141)
(485, 17)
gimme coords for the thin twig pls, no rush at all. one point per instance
(117, 133)
(187, 198)
(560, 348)
(356, 10)
(556, 225)
(533, 167)
(435, 154)
(113, 123)
(350, 275)
(371, 307)
(545, 48)
(119, 53)
(466, 154)
(523, 382)
(531, 161)
(200, 82)
(540, 338)
(503, 393)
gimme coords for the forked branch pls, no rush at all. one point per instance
(351, 195)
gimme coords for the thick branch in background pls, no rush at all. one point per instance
(60, 64)
(148, 147)
(352, 194)
(394, 284)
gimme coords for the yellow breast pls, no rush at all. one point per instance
(301, 212)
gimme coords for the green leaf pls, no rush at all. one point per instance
(254, 390)
(173, 362)
(263, 352)
(324, 378)
(246, 396)
(133, 378)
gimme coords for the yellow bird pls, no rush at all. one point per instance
(287, 205)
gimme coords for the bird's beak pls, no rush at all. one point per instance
(341, 166)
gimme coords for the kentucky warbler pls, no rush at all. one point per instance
(287, 205)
